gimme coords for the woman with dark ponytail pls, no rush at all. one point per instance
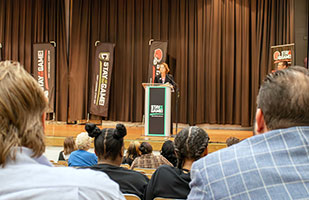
(109, 148)
(173, 182)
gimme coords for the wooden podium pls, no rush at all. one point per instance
(157, 109)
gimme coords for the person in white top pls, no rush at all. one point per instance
(24, 172)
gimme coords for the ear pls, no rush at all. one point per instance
(260, 125)
(205, 152)
(122, 151)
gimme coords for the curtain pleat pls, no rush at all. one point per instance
(218, 51)
(23, 23)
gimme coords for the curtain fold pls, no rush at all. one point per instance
(23, 23)
(218, 51)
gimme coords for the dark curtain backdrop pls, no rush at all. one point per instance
(25, 22)
(218, 51)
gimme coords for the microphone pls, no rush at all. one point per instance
(174, 83)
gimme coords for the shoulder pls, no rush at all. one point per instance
(74, 152)
(165, 169)
(133, 173)
(88, 182)
(164, 160)
(91, 180)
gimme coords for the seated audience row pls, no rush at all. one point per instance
(271, 165)
(25, 173)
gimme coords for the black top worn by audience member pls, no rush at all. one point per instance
(130, 182)
(168, 79)
(127, 160)
(175, 179)
(61, 156)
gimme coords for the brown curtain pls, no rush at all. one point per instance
(23, 23)
(218, 52)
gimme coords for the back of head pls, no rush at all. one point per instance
(133, 150)
(190, 143)
(284, 98)
(22, 105)
(108, 142)
(145, 148)
(168, 151)
(69, 145)
(83, 141)
(232, 140)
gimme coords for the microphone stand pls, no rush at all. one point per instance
(177, 101)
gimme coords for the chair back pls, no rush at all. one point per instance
(125, 166)
(146, 171)
(131, 197)
(62, 162)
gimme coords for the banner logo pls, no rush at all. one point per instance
(284, 55)
(104, 56)
(157, 56)
(157, 110)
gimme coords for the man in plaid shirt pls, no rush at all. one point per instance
(274, 164)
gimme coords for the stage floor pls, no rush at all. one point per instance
(57, 131)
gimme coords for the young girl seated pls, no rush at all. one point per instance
(173, 182)
(109, 147)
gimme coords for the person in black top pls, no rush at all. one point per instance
(168, 151)
(109, 148)
(164, 77)
(171, 182)
(132, 153)
(68, 147)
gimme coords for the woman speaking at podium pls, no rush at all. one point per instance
(164, 77)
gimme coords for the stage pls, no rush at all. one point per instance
(57, 131)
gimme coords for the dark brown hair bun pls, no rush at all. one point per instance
(120, 132)
(93, 130)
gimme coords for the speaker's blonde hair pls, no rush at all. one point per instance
(22, 105)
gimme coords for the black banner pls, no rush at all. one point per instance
(156, 111)
(101, 79)
(157, 56)
(282, 53)
(44, 70)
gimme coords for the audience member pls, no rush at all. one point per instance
(68, 147)
(148, 159)
(132, 153)
(81, 157)
(168, 151)
(24, 172)
(109, 147)
(171, 182)
(232, 140)
(274, 163)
